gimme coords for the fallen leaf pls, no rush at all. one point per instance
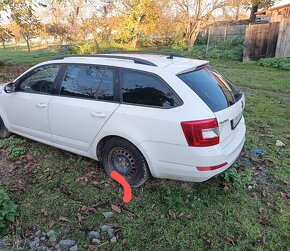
(80, 218)
(255, 159)
(186, 215)
(77, 180)
(284, 195)
(287, 182)
(64, 219)
(88, 209)
(172, 214)
(44, 212)
(265, 220)
(162, 216)
(51, 223)
(116, 208)
(231, 241)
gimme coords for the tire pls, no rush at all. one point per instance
(122, 156)
(4, 133)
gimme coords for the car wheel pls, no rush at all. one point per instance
(4, 133)
(122, 156)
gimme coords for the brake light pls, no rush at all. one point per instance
(201, 133)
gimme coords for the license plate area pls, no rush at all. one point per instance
(236, 121)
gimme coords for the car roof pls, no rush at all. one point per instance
(173, 64)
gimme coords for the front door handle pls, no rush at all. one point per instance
(41, 105)
(98, 114)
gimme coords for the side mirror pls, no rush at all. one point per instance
(9, 88)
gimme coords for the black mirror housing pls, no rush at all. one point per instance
(9, 88)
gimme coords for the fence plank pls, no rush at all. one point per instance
(272, 39)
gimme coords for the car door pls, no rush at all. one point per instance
(27, 107)
(87, 100)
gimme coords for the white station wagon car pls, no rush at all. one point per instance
(168, 116)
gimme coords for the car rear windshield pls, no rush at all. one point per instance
(213, 88)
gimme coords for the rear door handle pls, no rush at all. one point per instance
(98, 114)
(41, 105)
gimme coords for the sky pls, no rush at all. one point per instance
(278, 3)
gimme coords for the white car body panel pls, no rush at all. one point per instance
(75, 124)
(78, 125)
(27, 114)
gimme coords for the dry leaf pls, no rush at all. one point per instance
(186, 215)
(284, 195)
(51, 223)
(77, 180)
(287, 182)
(231, 241)
(64, 219)
(172, 214)
(80, 218)
(265, 220)
(116, 208)
(44, 212)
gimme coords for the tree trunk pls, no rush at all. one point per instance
(28, 44)
(191, 40)
(237, 12)
(253, 13)
(3, 43)
(134, 42)
(26, 37)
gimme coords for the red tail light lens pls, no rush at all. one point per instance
(211, 168)
(201, 133)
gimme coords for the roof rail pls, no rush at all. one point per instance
(136, 60)
(169, 54)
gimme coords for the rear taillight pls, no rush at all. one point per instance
(201, 133)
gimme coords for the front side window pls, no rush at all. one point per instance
(146, 89)
(41, 80)
(82, 81)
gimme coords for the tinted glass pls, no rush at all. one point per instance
(215, 90)
(41, 80)
(106, 91)
(82, 81)
(146, 89)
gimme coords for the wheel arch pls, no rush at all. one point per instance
(100, 144)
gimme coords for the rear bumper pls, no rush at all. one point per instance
(179, 162)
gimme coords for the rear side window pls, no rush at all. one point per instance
(82, 81)
(215, 90)
(146, 89)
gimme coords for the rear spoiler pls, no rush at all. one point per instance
(193, 68)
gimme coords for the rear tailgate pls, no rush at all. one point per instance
(221, 96)
(229, 120)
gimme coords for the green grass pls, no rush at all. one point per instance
(210, 215)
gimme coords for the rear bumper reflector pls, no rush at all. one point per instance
(211, 168)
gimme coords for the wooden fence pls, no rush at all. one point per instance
(261, 41)
(283, 43)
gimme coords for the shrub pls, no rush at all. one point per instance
(84, 48)
(7, 209)
(280, 63)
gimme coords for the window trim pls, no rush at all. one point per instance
(178, 99)
(118, 97)
(19, 81)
